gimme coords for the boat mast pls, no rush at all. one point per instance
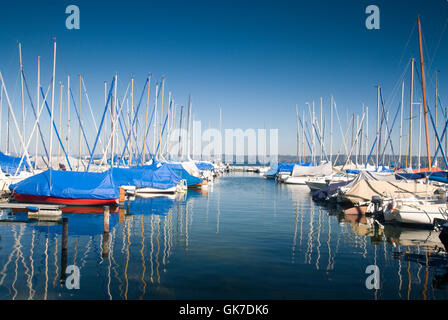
(21, 88)
(146, 119)
(377, 124)
(131, 121)
(297, 120)
(401, 121)
(52, 102)
(68, 116)
(435, 116)
(79, 129)
(321, 138)
(312, 133)
(419, 135)
(155, 121)
(38, 107)
(409, 164)
(422, 67)
(60, 119)
(161, 116)
(367, 132)
(331, 128)
(180, 132)
(303, 135)
(188, 127)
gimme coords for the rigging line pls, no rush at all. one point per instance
(90, 108)
(407, 42)
(135, 117)
(438, 44)
(79, 119)
(34, 111)
(387, 128)
(56, 129)
(102, 122)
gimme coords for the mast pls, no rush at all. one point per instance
(422, 67)
(297, 120)
(377, 124)
(188, 127)
(435, 113)
(155, 121)
(409, 164)
(131, 121)
(38, 107)
(52, 101)
(146, 119)
(312, 132)
(331, 128)
(220, 132)
(60, 119)
(321, 138)
(419, 135)
(21, 88)
(303, 135)
(180, 132)
(68, 116)
(367, 132)
(161, 116)
(401, 121)
(79, 129)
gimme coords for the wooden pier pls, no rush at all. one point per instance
(36, 211)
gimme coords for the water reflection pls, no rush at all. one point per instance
(243, 237)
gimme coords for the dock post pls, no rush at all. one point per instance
(64, 248)
(106, 235)
(106, 219)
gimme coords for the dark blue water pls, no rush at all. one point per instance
(244, 238)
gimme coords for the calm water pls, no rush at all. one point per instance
(246, 238)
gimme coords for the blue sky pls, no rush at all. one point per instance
(254, 59)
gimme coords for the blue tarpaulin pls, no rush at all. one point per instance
(284, 167)
(10, 164)
(180, 171)
(69, 185)
(204, 166)
(153, 176)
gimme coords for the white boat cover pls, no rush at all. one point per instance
(321, 170)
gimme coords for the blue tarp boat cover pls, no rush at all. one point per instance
(328, 191)
(69, 185)
(153, 176)
(10, 164)
(379, 169)
(285, 167)
(204, 166)
(180, 171)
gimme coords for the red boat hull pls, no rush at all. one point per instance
(65, 201)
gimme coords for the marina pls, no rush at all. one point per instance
(183, 157)
(207, 245)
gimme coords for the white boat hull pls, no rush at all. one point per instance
(416, 214)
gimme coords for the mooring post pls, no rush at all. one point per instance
(64, 248)
(106, 235)
(106, 219)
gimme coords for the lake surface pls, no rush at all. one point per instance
(244, 238)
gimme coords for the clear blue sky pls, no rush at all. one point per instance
(255, 59)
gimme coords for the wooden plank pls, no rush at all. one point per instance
(12, 205)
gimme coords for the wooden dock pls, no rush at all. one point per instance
(50, 212)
